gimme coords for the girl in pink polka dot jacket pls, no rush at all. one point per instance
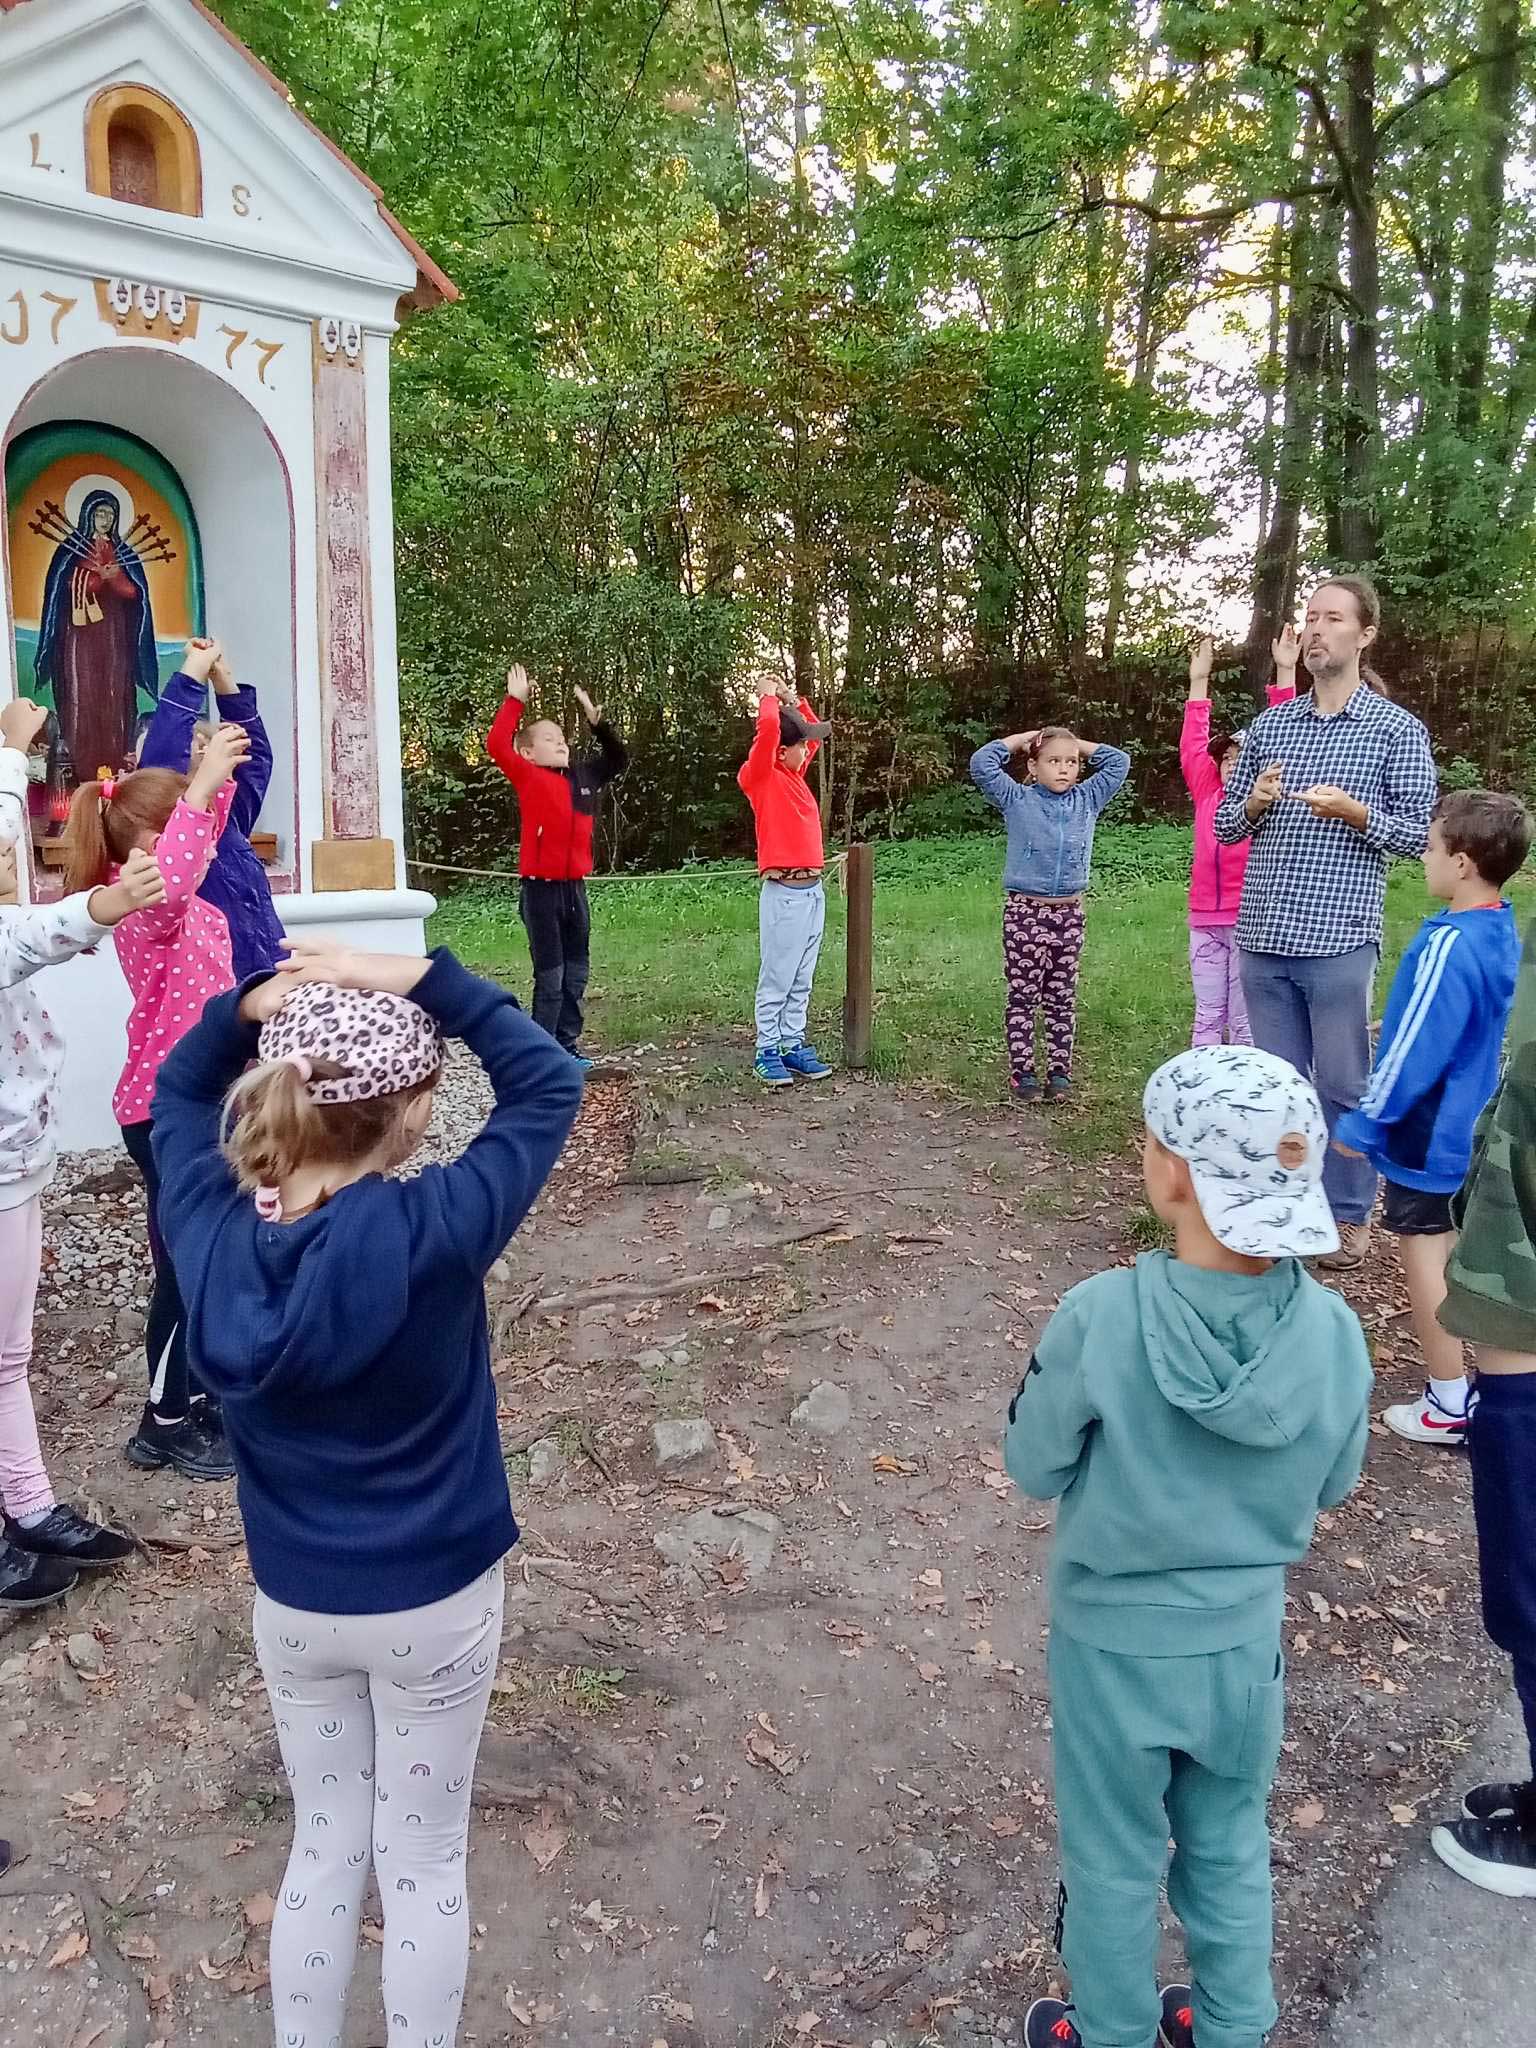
(174, 958)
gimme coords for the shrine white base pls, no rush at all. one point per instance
(88, 999)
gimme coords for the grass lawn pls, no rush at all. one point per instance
(678, 959)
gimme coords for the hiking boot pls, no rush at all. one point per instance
(1024, 1088)
(1354, 1248)
(1499, 1856)
(1049, 2024)
(188, 1448)
(1500, 1801)
(1426, 1422)
(71, 1538)
(1176, 2029)
(769, 1068)
(1058, 1087)
(804, 1060)
(28, 1581)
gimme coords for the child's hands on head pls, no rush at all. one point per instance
(223, 754)
(21, 724)
(317, 958)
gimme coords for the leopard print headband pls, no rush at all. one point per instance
(385, 1042)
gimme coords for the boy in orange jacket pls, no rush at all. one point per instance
(792, 909)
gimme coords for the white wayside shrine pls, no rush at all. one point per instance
(197, 295)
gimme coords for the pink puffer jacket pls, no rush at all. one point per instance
(1216, 877)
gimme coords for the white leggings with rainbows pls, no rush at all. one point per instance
(378, 1720)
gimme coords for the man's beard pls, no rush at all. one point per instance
(1321, 665)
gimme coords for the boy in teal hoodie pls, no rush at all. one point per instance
(1193, 1413)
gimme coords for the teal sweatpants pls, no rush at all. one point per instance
(1151, 1747)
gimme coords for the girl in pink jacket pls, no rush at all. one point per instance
(1216, 877)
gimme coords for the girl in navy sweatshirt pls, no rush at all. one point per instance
(340, 1315)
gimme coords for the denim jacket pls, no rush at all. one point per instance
(1050, 835)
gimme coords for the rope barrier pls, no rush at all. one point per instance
(835, 867)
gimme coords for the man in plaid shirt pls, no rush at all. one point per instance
(1332, 788)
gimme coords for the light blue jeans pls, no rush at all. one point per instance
(790, 922)
(1316, 1014)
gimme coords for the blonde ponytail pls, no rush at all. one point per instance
(273, 1128)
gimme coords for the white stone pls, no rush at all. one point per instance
(719, 1218)
(825, 1411)
(679, 1443)
(546, 1463)
(84, 1653)
(700, 1541)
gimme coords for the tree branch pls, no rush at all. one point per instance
(1446, 79)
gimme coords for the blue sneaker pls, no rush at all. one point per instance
(804, 1060)
(769, 1068)
(583, 1062)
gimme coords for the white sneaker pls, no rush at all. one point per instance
(1426, 1422)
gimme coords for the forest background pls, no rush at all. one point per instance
(963, 358)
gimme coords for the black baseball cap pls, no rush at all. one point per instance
(794, 727)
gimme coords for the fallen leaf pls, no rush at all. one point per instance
(70, 1949)
(759, 1901)
(917, 1940)
(807, 2023)
(519, 2012)
(238, 1845)
(214, 1975)
(1005, 1826)
(932, 1577)
(888, 1462)
(1401, 1646)
(138, 1948)
(544, 1838)
(1320, 1607)
(90, 2037)
(1405, 1816)
(1309, 1813)
(677, 2008)
(711, 1301)
(930, 1674)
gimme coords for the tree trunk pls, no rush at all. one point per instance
(1144, 364)
(1499, 25)
(1361, 427)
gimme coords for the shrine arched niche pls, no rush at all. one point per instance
(106, 586)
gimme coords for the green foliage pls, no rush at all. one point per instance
(926, 352)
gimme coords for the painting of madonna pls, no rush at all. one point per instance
(96, 642)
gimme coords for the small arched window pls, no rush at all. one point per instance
(140, 150)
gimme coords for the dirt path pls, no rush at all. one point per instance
(770, 1755)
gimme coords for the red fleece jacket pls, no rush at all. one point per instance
(558, 805)
(787, 815)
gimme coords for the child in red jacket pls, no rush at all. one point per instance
(1216, 878)
(792, 909)
(558, 800)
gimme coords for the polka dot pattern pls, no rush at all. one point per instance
(175, 956)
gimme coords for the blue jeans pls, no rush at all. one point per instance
(789, 923)
(1316, 1014)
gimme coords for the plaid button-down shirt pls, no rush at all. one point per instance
(1315, 886)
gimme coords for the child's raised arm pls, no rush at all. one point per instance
(185, 847)
(612, 754)
(253, 775)
(764, 751)
(500, 740)
(1201, 775)
(168, 737)
(1287, 652)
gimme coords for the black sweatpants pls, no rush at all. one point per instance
(1502, 1441)
(559, 927)
(165, 1339)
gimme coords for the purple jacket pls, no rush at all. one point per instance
(236, 882)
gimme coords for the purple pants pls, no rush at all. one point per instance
(1221, 1015)
(1042, 946)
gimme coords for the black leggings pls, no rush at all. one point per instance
(165, 1342)
(1502, 1441)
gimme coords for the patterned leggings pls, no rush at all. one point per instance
(1042, 946)
(1221, 1014)
(378, 1720)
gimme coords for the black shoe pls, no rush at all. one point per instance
(1499, 1856)
(208, 1411)
(1498, 1802)
(1049, 2024)
(64, 1534)
(5, 1857)
(28, 1581)
(1176, 2029)
(1058, 1087)
(1024, 1088)
(185, 1446)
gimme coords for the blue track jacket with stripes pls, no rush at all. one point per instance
(1438, 1061)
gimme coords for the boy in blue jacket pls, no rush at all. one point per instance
(1437, 1067)
(236, 882)
(1192, 1414)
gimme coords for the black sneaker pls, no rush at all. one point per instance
(208, 1411)
(1058, 1087)
(28, 1581)
(64, 1534)
(1498, 1802)
(185, 1446)
(1499, 1856)
(1023, 1088)
(1049, 2024)
(1176, 2029)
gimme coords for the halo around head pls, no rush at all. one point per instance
(81, 489)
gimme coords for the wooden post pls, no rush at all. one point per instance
(859, 997)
